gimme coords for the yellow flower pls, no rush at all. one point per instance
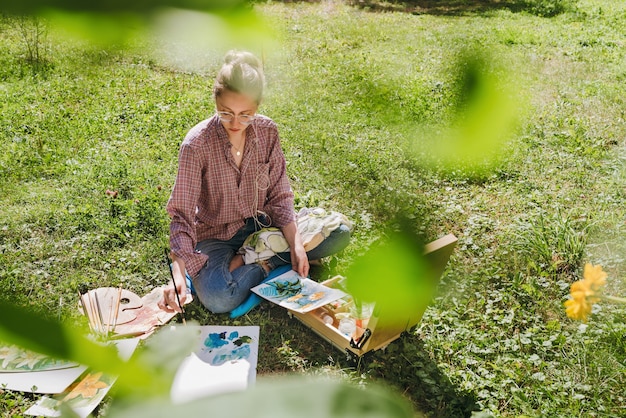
(583, 292)
(595, 276)
(586, 288)
(316, 296)
(578, 306)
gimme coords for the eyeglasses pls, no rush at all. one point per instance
(229, 117)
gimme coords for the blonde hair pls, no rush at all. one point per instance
(242, 72)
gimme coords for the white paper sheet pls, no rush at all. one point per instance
(49, 381)
(225, 360)
(86, 393)
(297, 293)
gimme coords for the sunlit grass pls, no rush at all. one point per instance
(348, 89)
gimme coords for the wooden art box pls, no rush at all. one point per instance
(377, 331)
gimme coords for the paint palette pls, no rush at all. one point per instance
(103, 301)
(136, 316)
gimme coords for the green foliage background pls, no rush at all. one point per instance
(362, 98)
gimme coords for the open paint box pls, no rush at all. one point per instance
(336, 324)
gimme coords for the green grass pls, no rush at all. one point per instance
(352, 91)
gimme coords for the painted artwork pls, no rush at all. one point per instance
(14, 359)
(225, 360)
(82, 397)
(86, 393)
(297, 293)
(220, 347)
(25, 371)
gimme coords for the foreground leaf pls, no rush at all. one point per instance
(282, 398)
(148, 374)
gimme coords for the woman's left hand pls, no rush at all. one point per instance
(299, 260)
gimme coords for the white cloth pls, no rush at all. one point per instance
(314, 226)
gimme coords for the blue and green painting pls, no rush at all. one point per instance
(221, 347)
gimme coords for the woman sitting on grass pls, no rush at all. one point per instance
(231, 182)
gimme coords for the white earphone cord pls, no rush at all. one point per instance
(257, 188)
(256, 210)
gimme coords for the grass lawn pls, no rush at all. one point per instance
(357, 93)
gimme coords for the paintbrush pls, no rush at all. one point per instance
(110, 318)
(89, 307)
(85, 311)
(99, 311)
(169, 267)
(92, 309)
(117, 307)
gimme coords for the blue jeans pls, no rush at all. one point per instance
(221, 290)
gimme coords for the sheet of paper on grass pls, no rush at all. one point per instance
(292, 291)
(86, 393)
(225, 360)
(25, 371)
(50, 381)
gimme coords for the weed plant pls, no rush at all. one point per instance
(89, 158)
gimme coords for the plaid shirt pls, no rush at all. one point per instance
(212, 197)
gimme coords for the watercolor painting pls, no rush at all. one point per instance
(225, 360)
(15, 359)
(25, 371)
(297, 293)
(220, 347)
(86, 393)
(82, 397)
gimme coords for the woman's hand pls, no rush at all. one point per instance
(299, 260)
(169, 302)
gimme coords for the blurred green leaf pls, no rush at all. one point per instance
(395, 275)
(187, 38)
(108, 6)
(487, 113)
(23, 327)
(163, 353)
(149, 374)
(187, 29)
(111, 28)
(282, 398)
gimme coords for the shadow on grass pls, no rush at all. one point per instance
(442, 7)
(406, 365)
(544, 8)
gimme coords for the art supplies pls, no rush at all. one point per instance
(115, 314)
(131, 316)
(357, 328)
(106, 307)
(169, 267)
